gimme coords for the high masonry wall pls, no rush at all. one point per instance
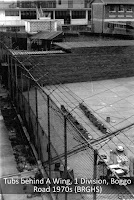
(87, 64)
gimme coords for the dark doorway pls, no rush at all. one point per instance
(67, 18)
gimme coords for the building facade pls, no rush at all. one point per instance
(113, 16)
(21, 18)
(14, 13)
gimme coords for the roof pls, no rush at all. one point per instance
(72, 45)
(117, 1)
(46, 35)
(25, 52)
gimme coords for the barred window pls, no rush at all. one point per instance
(60, 14)
(11, 13)
(121, 8)
(78, 14)
(28, 14)
(112, 8)
(31, 4)
(47, 4)
(26, 4)
(129, 9)
(70, 3)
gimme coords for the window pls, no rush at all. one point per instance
(121, 8)
(70, 3)
(78, 14)
(13, 29)
(87, 4)
(26, 4)
(129, 9)
(31, 4)
(48, 14)
(11, 13)
(59, 2)
(60, 14)
(28, 14)
(112, 8)
(13, 5)
(47, 4)
(111, 25)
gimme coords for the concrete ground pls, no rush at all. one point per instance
(107, 98)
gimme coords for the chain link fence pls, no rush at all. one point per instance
(62, 147)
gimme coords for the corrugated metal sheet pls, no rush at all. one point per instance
(45, 35)
(23, 52)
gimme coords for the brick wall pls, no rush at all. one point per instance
(126, 14)
(86, 64)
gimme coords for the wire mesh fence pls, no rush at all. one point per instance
(61, 143)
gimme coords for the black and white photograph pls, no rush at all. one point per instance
(67, 99)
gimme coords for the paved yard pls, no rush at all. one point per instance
(109, 98)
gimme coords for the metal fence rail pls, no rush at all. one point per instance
(55, 137)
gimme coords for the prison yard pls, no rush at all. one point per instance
(67, 99)
(77, 104)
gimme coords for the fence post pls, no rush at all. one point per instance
(9, 75)
(22, 99)
(12, 81)
(37, 131)
(2, 53)
(13, 78)
(28, 88)
(65, 150)
(95, 172)
(49, 136)
(16, 84)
